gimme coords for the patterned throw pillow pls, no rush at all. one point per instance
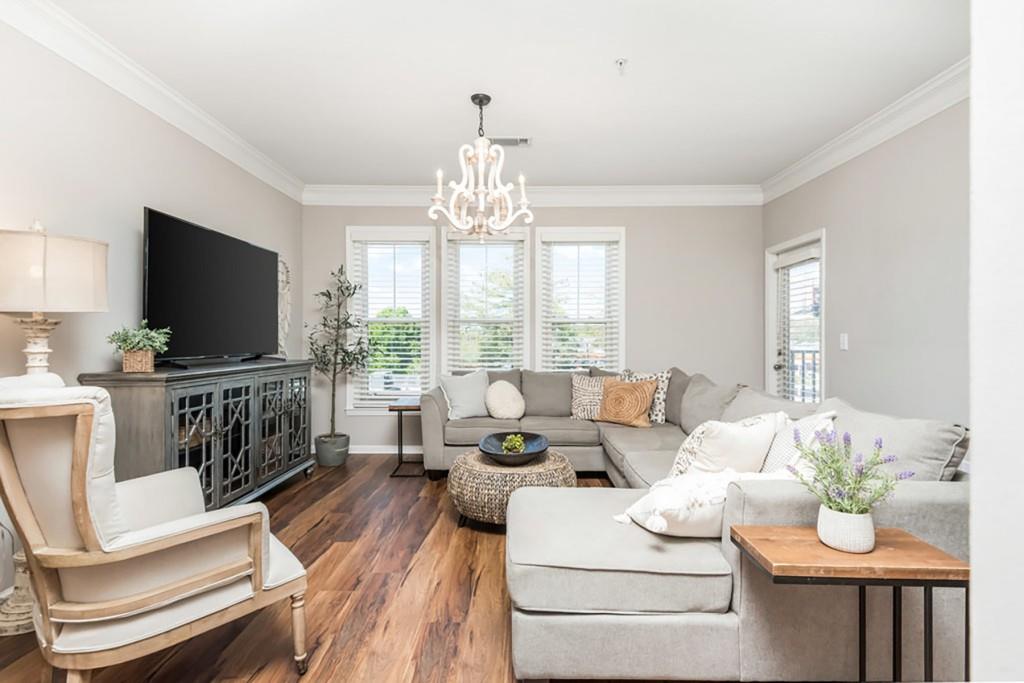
(627, 403)
(586, 396)
(657, 411)
(741, 446)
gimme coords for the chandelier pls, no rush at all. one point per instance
(481, 203)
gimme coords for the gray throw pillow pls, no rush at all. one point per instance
(547, 394)
(466, 394)
(750, 402)
(677, 383)
(933, 450)
(704, 400)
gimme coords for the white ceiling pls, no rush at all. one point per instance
(715, 91)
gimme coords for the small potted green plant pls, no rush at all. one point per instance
(514, 443)
(848, 486)
(336, 353)
(139, 346)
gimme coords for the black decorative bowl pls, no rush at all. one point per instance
(536, 446)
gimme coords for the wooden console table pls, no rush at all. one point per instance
(243, 426)
(794, 555)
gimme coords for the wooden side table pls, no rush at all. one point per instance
(794, 555)
(401, 407)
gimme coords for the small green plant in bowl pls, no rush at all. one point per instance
(514, 443)
(139, 346)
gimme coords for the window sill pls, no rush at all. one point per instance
(367, 412)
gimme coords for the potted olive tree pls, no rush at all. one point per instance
(139, 346)
(337, 348)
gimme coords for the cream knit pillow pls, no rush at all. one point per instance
(741, 446)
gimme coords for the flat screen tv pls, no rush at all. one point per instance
(218, 294)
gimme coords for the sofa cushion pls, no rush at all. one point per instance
(567, 567)
(704, 400)
(677, 383)
(563, 431)
(643, 468)
(619, 440)
(547, 394)
(750, 402)
(932, 449)
(513, 377)
(468, 431)
(599, 372)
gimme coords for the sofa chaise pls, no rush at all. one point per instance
(592, 598)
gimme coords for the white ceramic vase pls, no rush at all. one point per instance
(846, 532)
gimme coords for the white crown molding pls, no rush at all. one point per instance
(928, 99)
(546, 196)
(55, 29)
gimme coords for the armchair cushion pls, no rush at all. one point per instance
(161, 497)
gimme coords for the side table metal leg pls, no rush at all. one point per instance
(967, 633)
(862, 668)
(928, 633)
(897, 633)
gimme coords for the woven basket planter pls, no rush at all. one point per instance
(137, 361)
(480, 488)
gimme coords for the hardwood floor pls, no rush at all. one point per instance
(397, 592)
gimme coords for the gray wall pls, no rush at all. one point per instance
(84, 160)
(896, 223)
(693, 292)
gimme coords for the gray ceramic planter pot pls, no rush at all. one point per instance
(332, 451)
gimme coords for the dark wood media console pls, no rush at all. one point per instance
(243, 426)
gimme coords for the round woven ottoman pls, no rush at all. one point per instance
(480, 487)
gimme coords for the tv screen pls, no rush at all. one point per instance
(218, 294)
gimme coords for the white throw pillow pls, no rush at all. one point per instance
(504, 401)
(783, 450)
(716, 446)
(690, 506)
(466, 394)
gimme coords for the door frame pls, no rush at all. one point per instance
(771, 303)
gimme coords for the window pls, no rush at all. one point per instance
(581, 285)
(484, 303)
(796, 370)
(393, 265)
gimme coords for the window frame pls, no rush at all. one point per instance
(578, 235)
(515, 234)
(397, 233)
(771, 305)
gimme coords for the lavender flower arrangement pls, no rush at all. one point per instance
(841, 480)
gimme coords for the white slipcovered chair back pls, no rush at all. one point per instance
(42, 449)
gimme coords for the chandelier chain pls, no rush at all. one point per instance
(480, 129)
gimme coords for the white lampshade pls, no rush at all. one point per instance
(42, 273)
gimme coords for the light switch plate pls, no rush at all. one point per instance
(844, 341)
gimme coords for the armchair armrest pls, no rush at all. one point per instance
(433, 418)
(161, 497)
(171, 534)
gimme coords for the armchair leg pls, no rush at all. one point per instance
(79, 675)
(299, 631)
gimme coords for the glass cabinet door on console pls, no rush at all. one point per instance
(236, 433)
(298, 411)
(194, 417)
(274, 396)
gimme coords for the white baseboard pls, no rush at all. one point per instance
(390, 449)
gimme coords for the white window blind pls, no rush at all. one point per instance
(798, 366)
(485, 304)
(395, 301)
(580, 283)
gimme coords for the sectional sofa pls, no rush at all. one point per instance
(592, 598)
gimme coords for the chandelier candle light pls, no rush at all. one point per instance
(481, 203)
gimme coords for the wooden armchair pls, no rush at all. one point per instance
(123, 569)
